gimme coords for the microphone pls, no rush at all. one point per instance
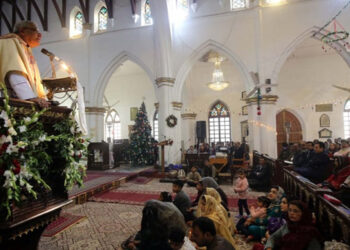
(50, 54)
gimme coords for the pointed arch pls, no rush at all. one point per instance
(219, 121)
(201, 51)
(110, 69)
(309, 33)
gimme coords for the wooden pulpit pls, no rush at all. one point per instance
(162, 144)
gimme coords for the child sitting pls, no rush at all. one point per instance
(193, 177)
(258, 216)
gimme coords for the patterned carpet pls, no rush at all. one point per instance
(109, 224)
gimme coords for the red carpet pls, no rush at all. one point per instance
(141, 180)
(63, 222)
(140, 197)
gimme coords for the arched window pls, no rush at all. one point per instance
(238, 4)
(76, 28)
(346, 116)
(112, 125)
(146, 13)
(102, 18)
(155, 126)
(219, 123)
(182, 9)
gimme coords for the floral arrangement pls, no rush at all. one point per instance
(27, 153)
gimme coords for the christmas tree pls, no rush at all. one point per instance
(142, 144)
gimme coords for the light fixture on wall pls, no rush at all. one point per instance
(218, 83)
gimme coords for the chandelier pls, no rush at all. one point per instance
(218, 83)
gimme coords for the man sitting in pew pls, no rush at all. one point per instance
(316, 169)
(259, 177)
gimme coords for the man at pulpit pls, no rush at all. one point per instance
(18, 68)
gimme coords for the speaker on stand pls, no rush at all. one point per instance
(201, 131)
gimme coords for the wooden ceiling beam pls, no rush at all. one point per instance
(43, 15)
(109, 4)
(85, 6)
(62, 13)
(133, 6)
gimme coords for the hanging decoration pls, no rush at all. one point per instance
(259, 99)
(336, 34)
(171, 121)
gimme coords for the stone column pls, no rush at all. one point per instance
(95, 121)
(262, 128)
(188, 129)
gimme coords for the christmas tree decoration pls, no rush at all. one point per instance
(142, 144)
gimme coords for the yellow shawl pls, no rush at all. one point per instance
(210, 210)
(17, 57)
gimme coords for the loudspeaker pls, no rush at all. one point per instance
(201, 130)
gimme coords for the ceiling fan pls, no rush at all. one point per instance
(109, 107)
(267, 85)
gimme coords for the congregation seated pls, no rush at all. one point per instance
(208, 207)
(204, 183)
(299, 231)
(345, 149)
(182, 201)
(259, 178)
(340, 173)
(178, 240)
(208, 170)
(204, 235)
(191, 150)
(316, 168)
(332, 149)
(285, 153)
(193, 177)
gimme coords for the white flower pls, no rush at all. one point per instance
(11, 149)
(27, 119)
(4, 115)
(22, 128)
(7, 174)
(21, 182)
(42, 137)
(12, 131)
(28, 186)
(9, 139)
(35, 143)
(22, 144)
(72, 130)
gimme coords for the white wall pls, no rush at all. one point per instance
(129, 86)
(305, 81)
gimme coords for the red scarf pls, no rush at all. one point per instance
(300, 233)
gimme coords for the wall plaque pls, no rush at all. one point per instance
(324, 107)
(325, 121)
(325, 133)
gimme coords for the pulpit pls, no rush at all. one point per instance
(22, 230)
(162, 144)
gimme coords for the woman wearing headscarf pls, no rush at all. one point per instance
(298, 232)
(208, 207)
(258, 229)
(209, 182)
(213, 193)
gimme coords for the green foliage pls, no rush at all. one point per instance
(29, 157)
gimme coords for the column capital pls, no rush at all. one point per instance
(176, 105)
(165, 81)
(95, 110)
(188, 116)
(265, 99)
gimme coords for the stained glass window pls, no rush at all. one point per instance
(155, 126)
(112, 126)
(346, 116)
(102, 18)
(238, 4)
(146, 14)
(219, 124)
(78, 24)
